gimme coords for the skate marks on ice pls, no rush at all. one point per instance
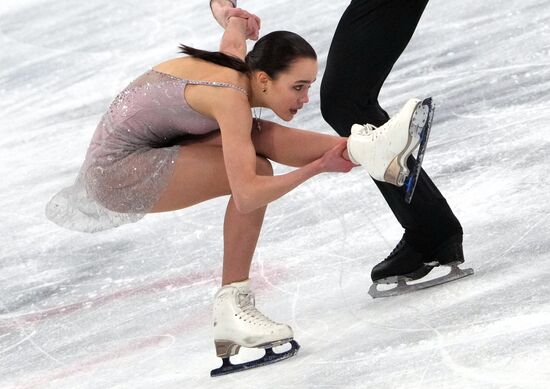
(11, 322)
(74, 37)
(486, 331)
(493, 333)
(97, 352)
(448, 350)
(82, 349)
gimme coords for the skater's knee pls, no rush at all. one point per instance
(263, 166)
(328, 112)
(342, 109)
(335, 116)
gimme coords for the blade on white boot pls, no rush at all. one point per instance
(383, 151)
(238, 323)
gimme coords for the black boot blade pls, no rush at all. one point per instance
(269, 357)
(402, 287)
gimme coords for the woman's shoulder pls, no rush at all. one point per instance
(224, 88)
(199, 70)
(232, 76)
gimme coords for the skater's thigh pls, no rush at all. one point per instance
(381, 29)
(369, 39)
(199, 175)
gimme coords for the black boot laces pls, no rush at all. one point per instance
(396, 249)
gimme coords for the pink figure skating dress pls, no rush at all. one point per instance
(132, 153)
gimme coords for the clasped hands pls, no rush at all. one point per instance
(253, 22)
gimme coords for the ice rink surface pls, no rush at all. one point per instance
(131, 307)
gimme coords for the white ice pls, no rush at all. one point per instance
(131, 307)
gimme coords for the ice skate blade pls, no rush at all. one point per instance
(419, 119)
(403, 288)
(269, 358)
(410, 184)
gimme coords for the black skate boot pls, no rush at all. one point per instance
(403, 263)
(407, 263)
(449, 253)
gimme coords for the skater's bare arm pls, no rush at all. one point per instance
(234, 38)
(251, 191)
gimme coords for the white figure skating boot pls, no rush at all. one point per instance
(383, 151)
(237, 323)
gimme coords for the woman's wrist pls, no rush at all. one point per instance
(219, 10)
(236, 20)
(233, 3)
(316, 167)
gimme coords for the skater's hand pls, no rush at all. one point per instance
(333, 160)
(253, 22)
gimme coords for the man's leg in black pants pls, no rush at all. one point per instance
(369, 39)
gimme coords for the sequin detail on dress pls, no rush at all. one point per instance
(131, 155)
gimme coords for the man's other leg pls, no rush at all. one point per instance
(369, 39)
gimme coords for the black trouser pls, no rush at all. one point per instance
(370, 37)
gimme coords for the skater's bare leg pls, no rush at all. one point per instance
(200, 175)
(291, 146)
(284, 145)
(240, 234)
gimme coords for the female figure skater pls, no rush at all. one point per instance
(183, 133)
(366, 45)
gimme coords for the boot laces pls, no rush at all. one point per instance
(247, 303)
(396, 249)
(367, 129)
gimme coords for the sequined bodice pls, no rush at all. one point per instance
(152, 112)
(155, 90)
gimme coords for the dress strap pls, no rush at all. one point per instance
(218, 84)
(208, 83)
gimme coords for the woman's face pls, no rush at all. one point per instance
(288, 93)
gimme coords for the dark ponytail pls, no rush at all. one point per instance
(216, 57)
(272, 53)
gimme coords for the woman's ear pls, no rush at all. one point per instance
(263, 79)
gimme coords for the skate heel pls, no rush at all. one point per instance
(396, 173)
(226, 348)
(450, 253)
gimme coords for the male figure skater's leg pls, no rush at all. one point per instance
(370, 37)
